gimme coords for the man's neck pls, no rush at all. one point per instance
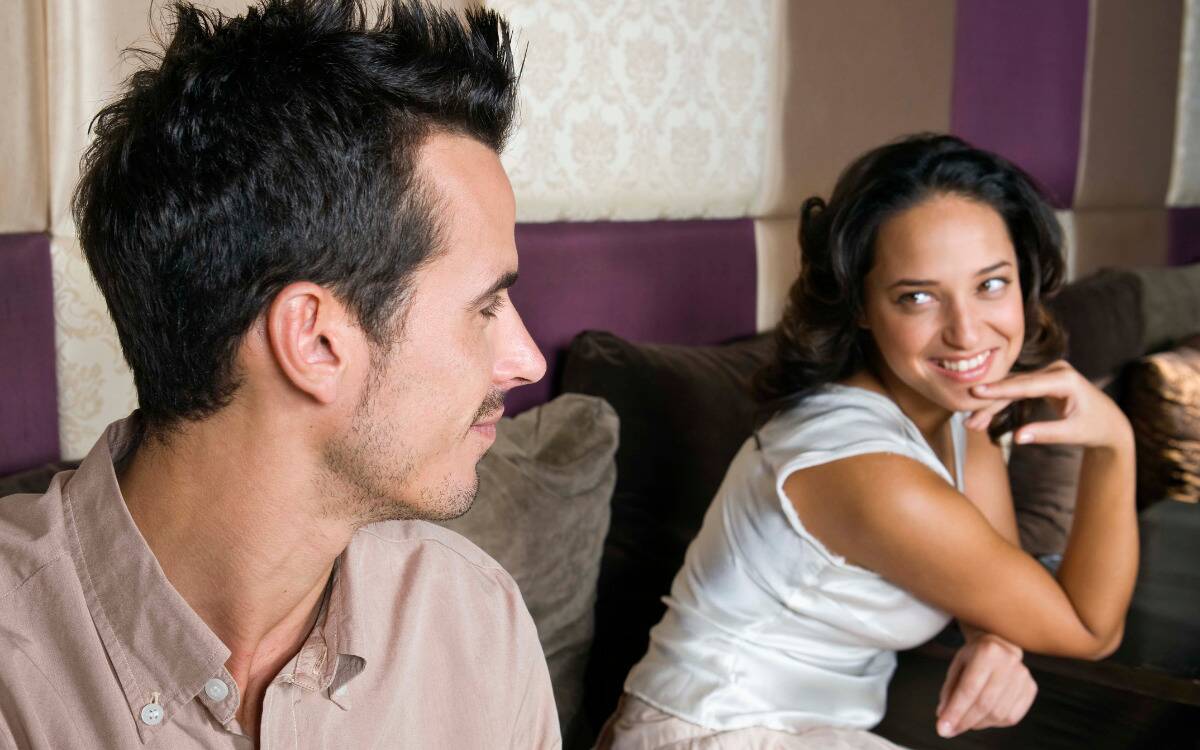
(236, 528)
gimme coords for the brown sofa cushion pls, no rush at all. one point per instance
(684, 411)
(1163, 400)
(542, 512)
(1045, 478)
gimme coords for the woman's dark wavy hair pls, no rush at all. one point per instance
(820, 341)
(276, 146)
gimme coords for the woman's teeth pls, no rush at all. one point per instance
(962, 365)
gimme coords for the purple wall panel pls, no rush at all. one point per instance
(1019, 69)
(1183, 236)
(28, 387)
(674, 282)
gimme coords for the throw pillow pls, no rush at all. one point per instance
(33, 481)
(1163, 401)
(542, 512)
(684, 411)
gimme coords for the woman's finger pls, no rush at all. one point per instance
(1025, 702)
(1003, 713)
(982, 712)
(971, 682)
(1041, 383)
(979, 420)
(1061, 431)
(951, 681)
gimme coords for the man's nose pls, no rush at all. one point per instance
(520, 362)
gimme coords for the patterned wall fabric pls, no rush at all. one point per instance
(665, 110)
(95, 386)
(639, 110)
(84, 40)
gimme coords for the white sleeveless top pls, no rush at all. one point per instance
(764, 626)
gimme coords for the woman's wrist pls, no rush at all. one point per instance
(1117, 441)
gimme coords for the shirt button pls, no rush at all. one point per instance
(340, 692)
(152, 714)
(216, 689)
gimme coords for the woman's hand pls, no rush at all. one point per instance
(986, 686)
(1087, 417)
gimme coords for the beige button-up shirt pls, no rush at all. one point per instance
(423, 641)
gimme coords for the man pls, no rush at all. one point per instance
(302, 229)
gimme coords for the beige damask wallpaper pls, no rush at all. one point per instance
(94, 385)
(85, 39)
(636, 110)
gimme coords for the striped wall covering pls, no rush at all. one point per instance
(665, 147)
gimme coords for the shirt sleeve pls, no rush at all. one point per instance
(536, 715)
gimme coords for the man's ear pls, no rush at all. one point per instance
(310, 335)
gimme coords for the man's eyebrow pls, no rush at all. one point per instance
(931, 282)
(504, 282)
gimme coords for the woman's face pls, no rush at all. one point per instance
(943, 300)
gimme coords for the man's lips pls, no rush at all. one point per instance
(487, 427)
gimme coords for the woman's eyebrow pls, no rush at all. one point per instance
(912, 282)
(993, 267)
(931, 282)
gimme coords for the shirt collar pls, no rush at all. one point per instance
(158, 646)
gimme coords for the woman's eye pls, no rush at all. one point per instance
(993, 285)
(916, 298)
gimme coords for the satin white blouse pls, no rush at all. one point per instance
(764, 626)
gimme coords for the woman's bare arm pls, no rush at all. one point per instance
(893, 515)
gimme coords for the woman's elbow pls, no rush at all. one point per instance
(1084, 645)
(1109, 646)
(1096, 647)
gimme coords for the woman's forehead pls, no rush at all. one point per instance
(943, 235)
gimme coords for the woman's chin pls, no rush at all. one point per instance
(957, 397)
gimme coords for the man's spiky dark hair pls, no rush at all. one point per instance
(268, 148)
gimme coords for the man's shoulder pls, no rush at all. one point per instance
(32, 536)
(459, 585)
(401, 540)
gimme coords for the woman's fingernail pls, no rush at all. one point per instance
(1024, 437)
(980, 388)
(944, 729)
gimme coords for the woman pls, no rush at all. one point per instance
(874, 505)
